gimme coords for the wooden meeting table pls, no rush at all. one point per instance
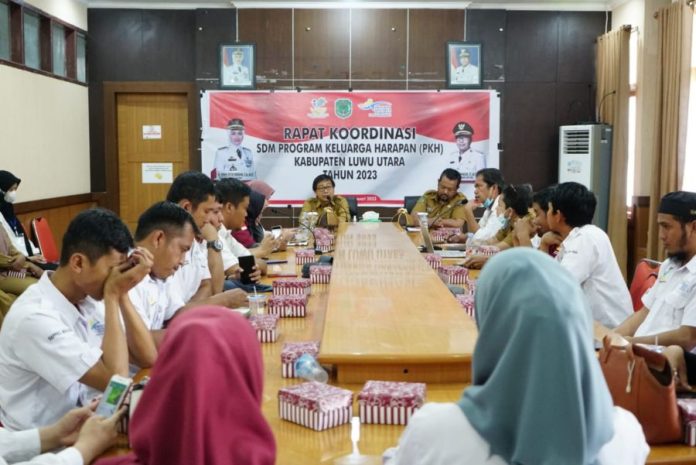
(385, 315)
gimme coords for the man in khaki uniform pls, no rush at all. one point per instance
(324, 186)
(445, 206)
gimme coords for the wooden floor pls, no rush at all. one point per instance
(297, 445)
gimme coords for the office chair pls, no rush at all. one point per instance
(410, 202)
(352, 206)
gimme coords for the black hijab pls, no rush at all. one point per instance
(256, 203)
(8, 180)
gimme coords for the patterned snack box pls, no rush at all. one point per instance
(442, 234)
(288, 305)
(303, 256)
(265, 326)
(315, 405)
(324, 245)
(290, 286)
(453, 274)
(434, 260)
(485, 250)
(688, 414)
(467, 303)
(320, 274)
(292, 351)
(390, 402)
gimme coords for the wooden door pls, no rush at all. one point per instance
(168, 145)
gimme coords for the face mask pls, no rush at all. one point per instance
(487, 203)
(504, 221)
(10, 197)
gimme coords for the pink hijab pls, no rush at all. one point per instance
(262, 188)
(203, 403)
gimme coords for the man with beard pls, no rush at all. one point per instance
(445, 206)
(668, 316)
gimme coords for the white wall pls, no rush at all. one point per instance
(44, 135)
(71, 11)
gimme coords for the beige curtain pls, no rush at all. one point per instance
(612, 103)
(674, 57)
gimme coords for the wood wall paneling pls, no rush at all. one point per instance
(322, 44)
(574, 103)
(577, 34)
(271, 31)
(213, 27)
(531, 54)
(378, 44)
(59, 212)
(531, 135)
(429, 30)
(133, 45)
(488, 28)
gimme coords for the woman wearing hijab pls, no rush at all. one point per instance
(538, 396)
(202, 405)
(9, 183)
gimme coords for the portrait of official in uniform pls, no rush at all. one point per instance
(233, 160)
(238, 66)
(464, 65)
(466, 160)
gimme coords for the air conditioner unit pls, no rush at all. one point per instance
(585, 158)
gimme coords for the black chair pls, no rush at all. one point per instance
(410, 202)
(352, 206)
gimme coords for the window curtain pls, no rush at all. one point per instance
(673, 64)
(612, 105)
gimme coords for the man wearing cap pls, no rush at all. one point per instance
(233, 160)
(668, 316)
(236, 74)
(465, 73)
(466, 160)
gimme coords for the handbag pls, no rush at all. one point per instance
(402, 218)
(640, 380)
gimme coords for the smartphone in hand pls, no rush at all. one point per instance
(114, 395)
(276, 231)
(247, 264)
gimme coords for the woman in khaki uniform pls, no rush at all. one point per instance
(323, 187)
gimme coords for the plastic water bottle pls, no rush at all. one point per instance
(308, 368)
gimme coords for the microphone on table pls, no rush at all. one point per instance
(446, 210)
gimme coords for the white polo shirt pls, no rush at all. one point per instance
(588, 255)
(193, 271)
(489, 224)
(25, 447)
(156, 301)
(231, 248)
(671, 301)
(46, 346)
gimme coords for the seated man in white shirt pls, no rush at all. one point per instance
(668, 316)
(233, 197)
(86, 434)
(64, 335)
(166, 232)
(488, 188)
(587, 254)
(545, 240)
(202, 276)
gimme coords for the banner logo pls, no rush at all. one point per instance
(343, 107)
(380, 109)
(318, 108)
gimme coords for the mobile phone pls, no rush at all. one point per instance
(246, 263)
(276, 231)
(114, 394)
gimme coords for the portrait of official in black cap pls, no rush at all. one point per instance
(466, 160)
(233, 160)
(464, 65)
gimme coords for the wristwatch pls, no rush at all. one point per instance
(216, 245)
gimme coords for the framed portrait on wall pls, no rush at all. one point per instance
(238, 66)
(464, 65)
